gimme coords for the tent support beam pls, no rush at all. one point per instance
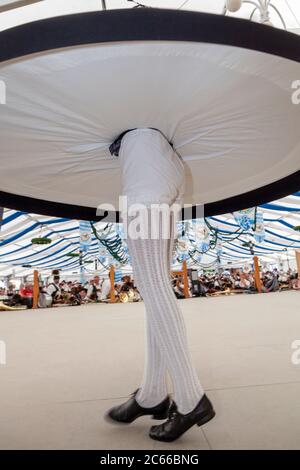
(112, 284)
(36, 289)
(257, 275)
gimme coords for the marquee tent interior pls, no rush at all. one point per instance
(80, 152)
(54, 394)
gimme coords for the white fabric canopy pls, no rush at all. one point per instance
(227, 110)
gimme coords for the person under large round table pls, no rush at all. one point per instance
(163, 107)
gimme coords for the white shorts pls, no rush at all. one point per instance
(152, 173)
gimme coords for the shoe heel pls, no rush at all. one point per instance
(161, 416)
(207, 418)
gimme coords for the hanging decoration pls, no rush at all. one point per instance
(112, 241)
(196, 238)
(245, 218)
(182, 247)
(41, 241)
(219, 248)
(202, 234)
(259, 232)
(85, 235)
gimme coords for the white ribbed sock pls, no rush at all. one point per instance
(154, 386)
(167, 347)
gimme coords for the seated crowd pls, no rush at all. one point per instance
(94, 290)
(236, 280)
(61, 292)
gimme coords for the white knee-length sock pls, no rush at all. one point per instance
(154, 384)
(167, 347)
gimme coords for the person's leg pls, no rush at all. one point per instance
(165, 318)
(153, 388)
(152, 173)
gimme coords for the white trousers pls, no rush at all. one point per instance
(152, 173)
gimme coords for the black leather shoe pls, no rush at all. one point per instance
(131, 410)
(177, 424)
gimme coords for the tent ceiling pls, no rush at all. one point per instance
(18, 228)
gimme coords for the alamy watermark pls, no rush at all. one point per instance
(2, 92)
(2, 353)
(295, 358)
(296, 94)
(148, 221)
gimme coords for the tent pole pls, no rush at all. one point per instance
(297, 253)
(185, 280)
(257, 274)
(112, 284)
(36, 289)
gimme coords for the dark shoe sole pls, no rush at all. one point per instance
(161, 416)
(205, 419)
(109, 418)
